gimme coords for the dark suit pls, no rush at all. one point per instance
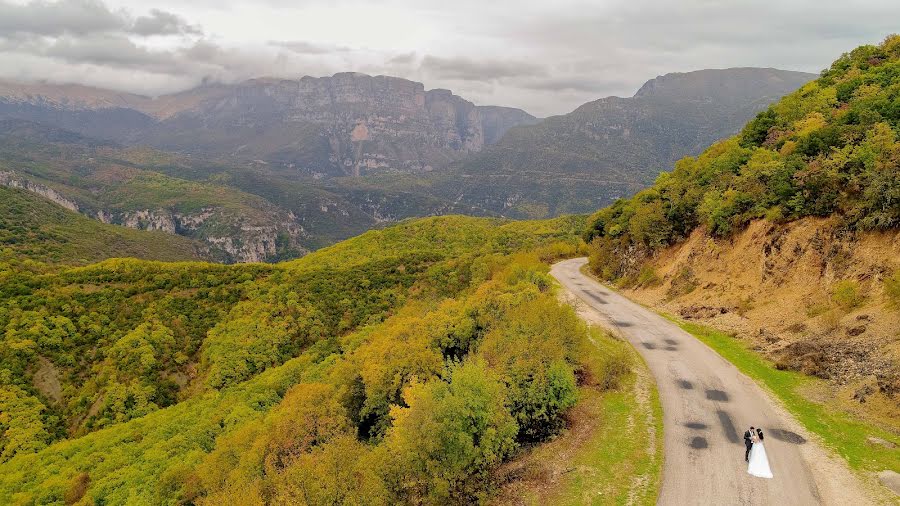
(748, 442)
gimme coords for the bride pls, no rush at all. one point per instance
(759, 463)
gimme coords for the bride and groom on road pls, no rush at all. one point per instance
(757, 461)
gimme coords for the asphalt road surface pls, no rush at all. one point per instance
(707, 405)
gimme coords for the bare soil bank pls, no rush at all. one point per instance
(809, 295)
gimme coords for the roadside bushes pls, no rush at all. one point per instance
(534, 351)
(444, 444)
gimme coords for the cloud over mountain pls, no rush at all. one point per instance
(547, 59)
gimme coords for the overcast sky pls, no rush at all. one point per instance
(547, 57)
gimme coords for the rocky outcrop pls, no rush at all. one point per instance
(234, 238)
(11, 180)
(150, 220)
(231, 238)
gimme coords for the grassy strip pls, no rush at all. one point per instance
(841, 432)
(613, 452)
(629, 443)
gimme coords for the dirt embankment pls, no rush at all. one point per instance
(809, 295)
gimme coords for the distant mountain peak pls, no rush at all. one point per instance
(710, 81)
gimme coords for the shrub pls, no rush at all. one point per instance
(892, 289)
(647, 277)
(613, 369)
(442, 446)
(846, 294)
(683, 283)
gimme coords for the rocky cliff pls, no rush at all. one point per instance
(349, 124)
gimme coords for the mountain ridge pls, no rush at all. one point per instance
(338, 155)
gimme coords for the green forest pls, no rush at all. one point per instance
(404, 365)
(830, 148)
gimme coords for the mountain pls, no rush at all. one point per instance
(613, 146)
(31, 226)
(346, 124)
(786, 234)
(269, 169)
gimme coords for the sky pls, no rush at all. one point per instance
(547, 57)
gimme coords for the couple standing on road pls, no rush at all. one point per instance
(757, 461)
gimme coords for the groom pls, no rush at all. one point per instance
(748, 442)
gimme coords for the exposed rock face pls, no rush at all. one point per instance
(346, 124)
(150, 220)
(234, 237)
(9, 179)
(231, 238)
(496, 121)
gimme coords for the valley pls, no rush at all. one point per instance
(267, 170)
(351, 289)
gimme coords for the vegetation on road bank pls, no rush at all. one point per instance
(612, 451)
(841, 432)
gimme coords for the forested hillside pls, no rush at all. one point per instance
(404, 365)
(35, 228)
(786, 234)
(830, 148)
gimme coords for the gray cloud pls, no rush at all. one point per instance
(546, 58)
(403, 59)
(113, 50)
(478, 70)
(84, 17)
(163, 23)
(304, 47)
(56, 18)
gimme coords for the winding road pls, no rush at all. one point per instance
(707, 405)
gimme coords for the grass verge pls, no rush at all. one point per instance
(838, 430)
(612, 452)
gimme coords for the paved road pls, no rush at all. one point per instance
(707, 405)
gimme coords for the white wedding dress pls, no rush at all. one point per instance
(759, 462)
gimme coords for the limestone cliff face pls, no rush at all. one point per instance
(346, 124)
(230, 238)
(11, 180)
